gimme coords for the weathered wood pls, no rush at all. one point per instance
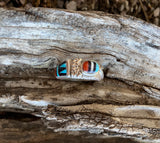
(26, 129)
(126, 103)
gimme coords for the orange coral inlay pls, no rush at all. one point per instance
(85, 66)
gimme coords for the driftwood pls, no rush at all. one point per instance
(125, 104)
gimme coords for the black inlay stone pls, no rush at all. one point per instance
(61, 69)
(94, 66)
(89, 64)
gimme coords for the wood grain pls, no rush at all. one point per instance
(126, 103)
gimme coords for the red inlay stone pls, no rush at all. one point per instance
(85, 66)
(55, 72)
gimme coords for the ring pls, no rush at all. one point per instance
(78, 69)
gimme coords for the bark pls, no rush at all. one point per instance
(126, 103)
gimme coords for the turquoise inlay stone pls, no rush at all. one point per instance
(64, 71)
(63, 65)
(57, 71)
(97, 67)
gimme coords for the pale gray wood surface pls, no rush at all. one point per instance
(126, 103)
